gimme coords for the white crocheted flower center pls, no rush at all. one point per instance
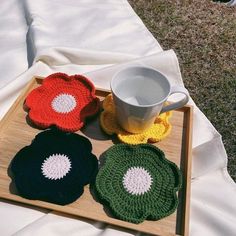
(63, 103)
(56, 166)
(137, 181)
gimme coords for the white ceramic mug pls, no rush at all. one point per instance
(139, 94)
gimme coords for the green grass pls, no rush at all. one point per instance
(203, 35)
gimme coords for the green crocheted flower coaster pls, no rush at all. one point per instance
(137, 182)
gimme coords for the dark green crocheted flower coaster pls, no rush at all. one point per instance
(138, 183)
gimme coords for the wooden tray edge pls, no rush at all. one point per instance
(188, 167)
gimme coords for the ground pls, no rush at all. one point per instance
(203, 35)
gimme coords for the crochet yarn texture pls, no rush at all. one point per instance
(55, 167)
(158, 131)
(137, 182)
(62, 100)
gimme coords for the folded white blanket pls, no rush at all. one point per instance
(97, 38)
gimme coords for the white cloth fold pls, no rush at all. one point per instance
(90, 25)
(15, 216)
(97, 38)
(13, 48)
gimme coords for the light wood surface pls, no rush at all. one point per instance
(15, 133)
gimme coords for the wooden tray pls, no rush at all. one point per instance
(15, 133)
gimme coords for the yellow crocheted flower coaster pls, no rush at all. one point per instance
(158, 131)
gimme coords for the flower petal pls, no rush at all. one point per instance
(64, 101)
(138, 182)
(158, 131)
(55, 167)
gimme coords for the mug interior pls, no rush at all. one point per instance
(140, 86)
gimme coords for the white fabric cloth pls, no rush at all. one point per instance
(13, 48)
(97, 38)
(232, 3)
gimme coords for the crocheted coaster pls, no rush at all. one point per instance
(55, 167)
(158, 131)
(137, 182)
(62, 100)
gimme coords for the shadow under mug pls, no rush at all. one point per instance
(139, 94)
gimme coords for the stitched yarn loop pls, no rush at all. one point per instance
(137, 180)
(55, 167)
(158, 131)
(63, 101)
(137, 183)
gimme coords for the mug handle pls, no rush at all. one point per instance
(181, 103)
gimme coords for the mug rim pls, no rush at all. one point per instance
(142, 67)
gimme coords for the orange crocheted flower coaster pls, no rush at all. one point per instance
(64, 101)
(158, 131)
